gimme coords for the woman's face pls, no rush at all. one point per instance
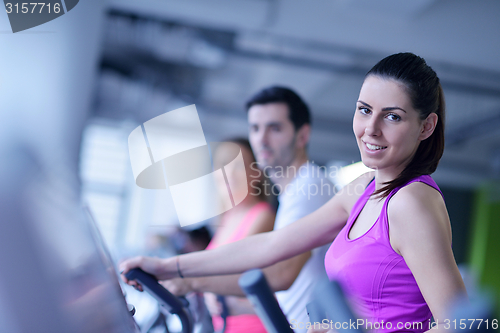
(237, 173)
(388, 129)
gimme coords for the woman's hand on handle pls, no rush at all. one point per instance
(162, 269)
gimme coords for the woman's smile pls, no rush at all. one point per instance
(374, 147)
(386, 125)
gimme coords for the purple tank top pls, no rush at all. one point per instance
(376, 280)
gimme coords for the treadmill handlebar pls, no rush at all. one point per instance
(173, 304)
(255, 286)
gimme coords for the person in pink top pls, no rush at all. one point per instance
(391, 233)
(253, 215)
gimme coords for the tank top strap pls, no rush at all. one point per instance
(243, 227)
(426, 179)
(384, 217)
(248, 220)
(360, 203)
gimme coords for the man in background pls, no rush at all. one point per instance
(279, 132)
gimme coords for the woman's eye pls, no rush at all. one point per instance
(393, 117)
(364, 110)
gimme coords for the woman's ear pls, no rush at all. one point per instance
(428, 126)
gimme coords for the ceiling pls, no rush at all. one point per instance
(158, 55)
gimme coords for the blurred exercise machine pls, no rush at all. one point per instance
(258, 292)
(331, 310)
(177, 306)
(53, 276)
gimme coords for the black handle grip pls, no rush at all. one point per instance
(151, 285)
(175, 305)
(259, 293)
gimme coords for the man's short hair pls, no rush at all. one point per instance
(298, 110)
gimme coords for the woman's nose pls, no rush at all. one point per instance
(372, 127)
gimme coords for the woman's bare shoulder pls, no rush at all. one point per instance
(418, 211)
(350, 193)
(417, 195)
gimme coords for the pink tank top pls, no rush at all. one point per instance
(244, 226)
(374, 277)
(248, 322)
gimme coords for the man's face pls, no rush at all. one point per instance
(272, 135)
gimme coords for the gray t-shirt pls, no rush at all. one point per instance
(305, 194)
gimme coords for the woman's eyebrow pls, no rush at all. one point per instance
(365, 104)
(393, 108)
(384, 109)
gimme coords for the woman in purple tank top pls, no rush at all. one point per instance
(391, 249)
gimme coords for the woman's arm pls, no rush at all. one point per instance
(257, 251)
(420, 231)
(261, 250)
(222, 285)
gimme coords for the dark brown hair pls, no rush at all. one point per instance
(298, 111)
(426, 94)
